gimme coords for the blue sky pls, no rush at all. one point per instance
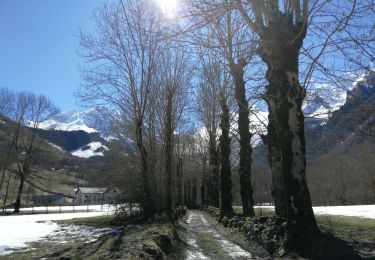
(38, 44)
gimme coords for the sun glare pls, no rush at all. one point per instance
(168, 8)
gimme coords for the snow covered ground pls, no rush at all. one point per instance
(104, 207)
(362, 211)
(17, 231)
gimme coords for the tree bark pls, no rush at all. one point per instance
(168, 151)
(194, 193)
(280, 50)
(17, 204)
(179, 168)
(6, 195)
(274, 160)
(237, 72)
(2, 179)
(148, 203)
(213, 185)
(225, 171)
(204, 196)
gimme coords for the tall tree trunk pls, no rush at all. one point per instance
(237, 72)
(274, 160)
(148, 203)
(179, 168)
(194, 193)
(284, 96)
(17, 204)
(213, 186)
(6, 195)
(225, 171)
(204, 191)
(154, 180)
(188, 193)
(2, 179)
(168, 151)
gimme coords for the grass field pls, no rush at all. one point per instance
(53, 181)
(344, 227)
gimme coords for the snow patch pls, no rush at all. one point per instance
(76, 125)
(17, 231)
(56, 147)
(91, 150)
(362, 211)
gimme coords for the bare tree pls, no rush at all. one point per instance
(208, 110)
(281, 29)
(29, 110)
(224, 35)
(120, 70)
(225, 148)
(6, 106)
(174, 77)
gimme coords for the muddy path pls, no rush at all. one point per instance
(200, 239)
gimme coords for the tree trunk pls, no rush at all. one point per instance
(168, 152)
(6, 195)
(284, 96)
(2, 180)
(274, 159)
(17, 204)
(237, 72)
(225, 171)
(148, 203)
(194, 193)
(213, 185)
(204, 192)
(179, 168)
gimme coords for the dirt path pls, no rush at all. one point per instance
(202, 241)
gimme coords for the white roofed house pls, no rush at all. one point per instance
(92, 196)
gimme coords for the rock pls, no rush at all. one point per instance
(281, 252)
(246, 227)
(255, 231)
(225, 221)
(262, 219)
(240, 224)
(165, 240)
(271, 246)
(152, 248)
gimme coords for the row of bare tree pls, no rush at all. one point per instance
(150, 68)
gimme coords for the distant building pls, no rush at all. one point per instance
(49, 199)
(90, 196)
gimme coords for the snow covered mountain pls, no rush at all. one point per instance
(91, 120)
(82, 133)
(322, 101)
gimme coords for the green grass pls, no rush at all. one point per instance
(100, 221)
(344, 227)
(348, 228)
(57, 182)
(258, 211)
